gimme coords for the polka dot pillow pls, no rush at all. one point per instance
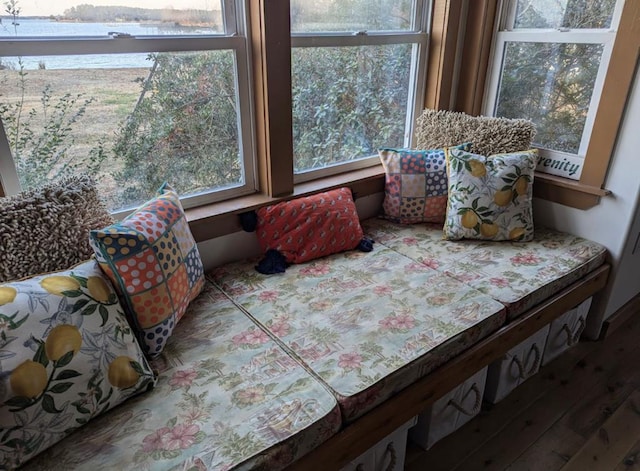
(415, 184)
(154, 262)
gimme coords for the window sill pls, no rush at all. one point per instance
(567, 192)
(218, 219)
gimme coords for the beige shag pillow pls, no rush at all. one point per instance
(47, 229)
(437, 129)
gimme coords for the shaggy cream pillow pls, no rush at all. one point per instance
(437, 129)
(47, 229)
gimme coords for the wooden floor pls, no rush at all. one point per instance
(581, 412)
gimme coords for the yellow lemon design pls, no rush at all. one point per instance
(503, 197)
(56, 284)
(521, 186)
(98, 289)
(7, 294)
(29, 379)
(62, 339)
(516, 233)
(488, 229)
(121, 373)
(469, 219)
(477, 168)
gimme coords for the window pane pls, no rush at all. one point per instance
(564, 13)
(350, 15)
(347, 102)
(142, 17)
(172, 118)
(551, 84)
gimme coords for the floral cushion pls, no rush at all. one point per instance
(490, 197)
(67, 354)
(227, 398)
(518, 274)
(154, 263)
(307, 228)
(415, 187)
(369, 324)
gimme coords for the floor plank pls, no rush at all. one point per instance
(607, 448)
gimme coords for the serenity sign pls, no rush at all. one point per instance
(563, 165)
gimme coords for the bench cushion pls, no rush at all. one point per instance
(227, 397)
(367, 324)
(517, 274)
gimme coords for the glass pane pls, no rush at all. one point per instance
(142, 17)
(171, 118)
(550, 84)
(350, 15)
(564, 13)
(339, 117)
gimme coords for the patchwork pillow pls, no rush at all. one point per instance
(310, 227)
(415, 188)
(67, 354)
(47, 229)
(490, 197)
(153, 260)
(489, 135)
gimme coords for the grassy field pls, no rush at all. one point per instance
(115, 93)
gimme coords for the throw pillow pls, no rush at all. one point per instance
(67, 354)
(153, 260)
(489, 135)
(310, 227)
(47, 229)
(490, 197)
(415, 188)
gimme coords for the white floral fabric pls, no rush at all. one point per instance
(227, 397)
(517, 274)
(367, 324)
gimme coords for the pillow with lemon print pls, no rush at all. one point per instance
(67, 354)
(490, 197)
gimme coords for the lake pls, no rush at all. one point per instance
(42, 27)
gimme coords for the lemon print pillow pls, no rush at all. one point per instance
(490, 197)
(67, 354)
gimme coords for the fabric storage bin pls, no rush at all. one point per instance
(386, 455)
(565, 331)
(515, 367)
(450, 412)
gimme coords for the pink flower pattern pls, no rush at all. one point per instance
(401, 322)
(183, 378)
(525, 259)
(268, 296)
(350, 361)
(251, 337)
(499, 282)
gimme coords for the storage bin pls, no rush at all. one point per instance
(450, 412)
(515, 367)
(565, 331)
(386, 455)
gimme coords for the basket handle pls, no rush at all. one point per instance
(476, 406)
(393, 458)
(573, 338)
(521, 368)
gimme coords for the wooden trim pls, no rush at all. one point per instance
(443, 43)
(571, 184)
(271, 50)
(618, 318)
(372, 427)
(572, 197)
(218, 219)
(616, 88)
(476, 49)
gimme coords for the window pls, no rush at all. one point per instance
(134, 96)
(549, 65)
(357, 81)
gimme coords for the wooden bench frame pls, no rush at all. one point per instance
(362, 434)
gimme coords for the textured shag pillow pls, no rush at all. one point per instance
(437, 129)
(47, 229)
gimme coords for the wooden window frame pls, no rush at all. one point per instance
(586, 192)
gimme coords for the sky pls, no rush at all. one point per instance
(57, 7)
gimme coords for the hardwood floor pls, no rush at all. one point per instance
(581, 412)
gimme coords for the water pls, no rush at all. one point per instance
(41, 27)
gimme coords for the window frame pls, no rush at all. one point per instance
(234, 38)
(417, 35)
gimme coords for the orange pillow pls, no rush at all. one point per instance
(307, 228)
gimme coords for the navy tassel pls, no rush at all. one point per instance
(273, 262)
(365, 245)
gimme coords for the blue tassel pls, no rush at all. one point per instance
(365, 245)
(272, 263)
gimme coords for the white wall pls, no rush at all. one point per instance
(610, 222)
